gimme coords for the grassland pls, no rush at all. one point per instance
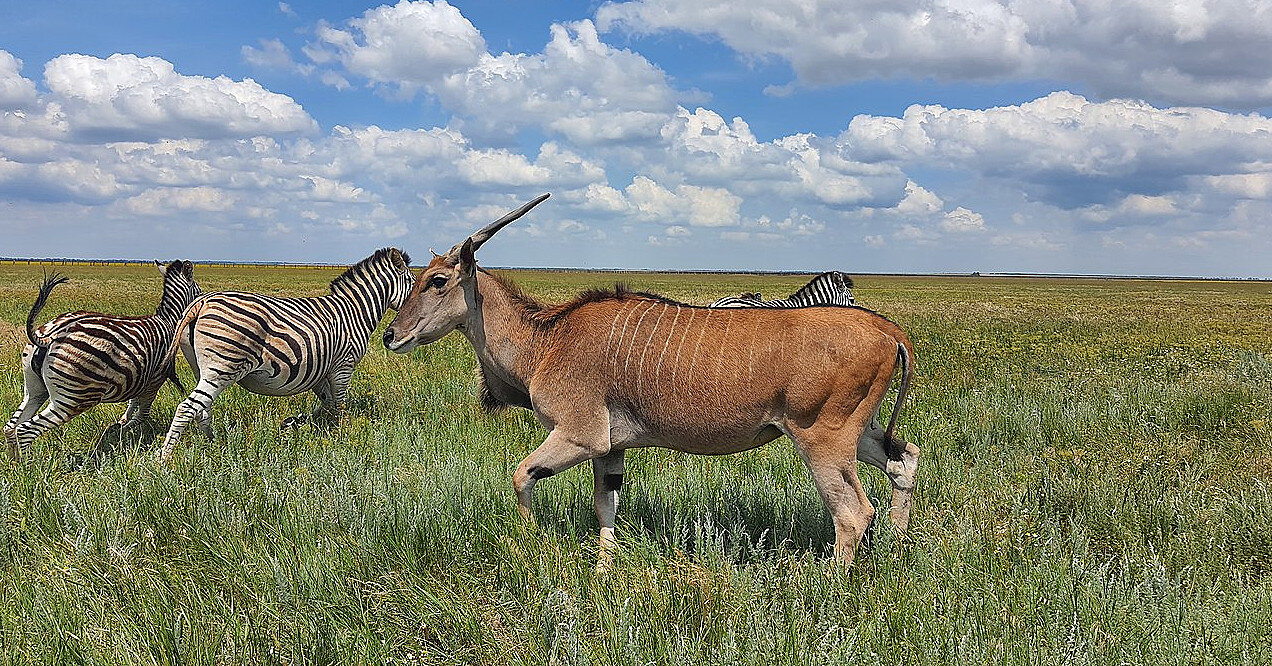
(1096, 487)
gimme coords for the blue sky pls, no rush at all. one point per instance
(914, 136)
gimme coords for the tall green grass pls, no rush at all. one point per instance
(1095, 487)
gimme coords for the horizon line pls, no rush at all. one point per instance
(705, 271)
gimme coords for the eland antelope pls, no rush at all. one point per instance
(614, 369)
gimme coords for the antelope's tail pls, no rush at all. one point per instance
(905, 356)
(50, 281)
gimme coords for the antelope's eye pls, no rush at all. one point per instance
(437, 282)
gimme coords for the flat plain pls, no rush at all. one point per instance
(1095, 488)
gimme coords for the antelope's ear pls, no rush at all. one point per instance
(467, 262)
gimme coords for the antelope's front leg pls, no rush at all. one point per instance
(607, 480)
(567, 445)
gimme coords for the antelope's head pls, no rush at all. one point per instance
(445, 293)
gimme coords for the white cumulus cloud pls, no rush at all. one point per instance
(1066, 150)
(125, 96)
(410, 45)
(1186, 52)
(15, 90)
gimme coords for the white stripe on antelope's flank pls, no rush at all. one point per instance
(640, 371)
(619, 349)
(702, 330)
(613, 327)
(722, 347)
(670, 330)
(688, 328)
(635, 335)
(549, 357)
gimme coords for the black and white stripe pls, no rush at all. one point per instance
(284, 346)
(82, 359)
(829, 288)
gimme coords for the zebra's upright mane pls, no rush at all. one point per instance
(364, 267)
(811, 285)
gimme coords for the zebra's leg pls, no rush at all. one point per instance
(141, 411)
(205, 423)
(333, 403)
(34, 394)
(129, 417)
(57, 413)
(607, 479)
(204, 417)
(332, 392)
(199, 402)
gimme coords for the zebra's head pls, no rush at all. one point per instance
(380, 281)
(179, 287)
(400, 277)
(445, 295)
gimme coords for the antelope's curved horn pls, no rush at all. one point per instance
(484, 234)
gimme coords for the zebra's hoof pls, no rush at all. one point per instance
(292, 422)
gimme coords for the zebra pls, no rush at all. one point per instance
(829, 288)
(81, 359)
(284, 346)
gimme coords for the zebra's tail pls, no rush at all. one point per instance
(172, 377)
(50, 281)
(191, 313)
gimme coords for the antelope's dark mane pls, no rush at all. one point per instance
(545, 316)
(363, 266)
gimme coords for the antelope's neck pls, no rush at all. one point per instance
(505, 343)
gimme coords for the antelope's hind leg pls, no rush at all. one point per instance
(607, 480)
(828, 453)
(872, 450)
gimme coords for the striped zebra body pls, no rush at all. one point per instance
(284, 346)
(830, 288)
(81, 359)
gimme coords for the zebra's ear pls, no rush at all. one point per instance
(401, 261)
(163, 269)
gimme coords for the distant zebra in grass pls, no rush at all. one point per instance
(283, 346)
(830, 288)
(82, 359)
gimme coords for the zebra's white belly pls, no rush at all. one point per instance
(266, 382)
